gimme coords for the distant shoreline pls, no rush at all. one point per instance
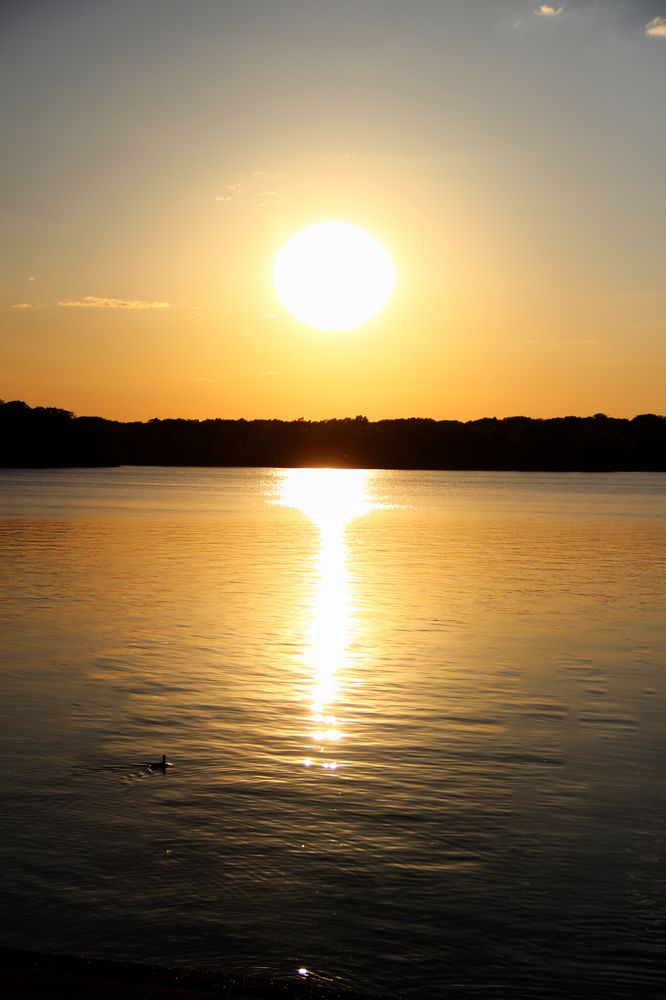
(47, 437)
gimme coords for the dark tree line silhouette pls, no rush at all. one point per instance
(42, 437)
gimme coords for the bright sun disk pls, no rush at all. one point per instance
(334, 276)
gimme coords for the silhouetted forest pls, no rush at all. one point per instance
(43, 437)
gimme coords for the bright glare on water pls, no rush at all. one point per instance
(416, 721)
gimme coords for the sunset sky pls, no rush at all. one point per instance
(509, 155)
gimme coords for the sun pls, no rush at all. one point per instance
(333, 276)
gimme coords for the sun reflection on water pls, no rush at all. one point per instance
(331, 498)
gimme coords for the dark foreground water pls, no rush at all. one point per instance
(417, 722)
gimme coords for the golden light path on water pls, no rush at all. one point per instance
(331, 498)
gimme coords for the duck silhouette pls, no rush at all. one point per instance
(160, 765)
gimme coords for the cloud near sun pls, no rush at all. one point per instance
(95, 302)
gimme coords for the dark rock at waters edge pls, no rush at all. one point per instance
(47, 437)
(31, 974)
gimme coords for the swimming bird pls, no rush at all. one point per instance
(160, 765)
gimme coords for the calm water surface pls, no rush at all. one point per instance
(416, 721)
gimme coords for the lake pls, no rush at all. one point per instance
(416, 721)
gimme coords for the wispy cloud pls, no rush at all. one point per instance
(232, 193)
(24, 306)
(656, 28)
(249, 191)
(96, 302)
(547, 10)
(265, 198)
(583, 343)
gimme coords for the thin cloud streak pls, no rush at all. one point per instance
(97, 302)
